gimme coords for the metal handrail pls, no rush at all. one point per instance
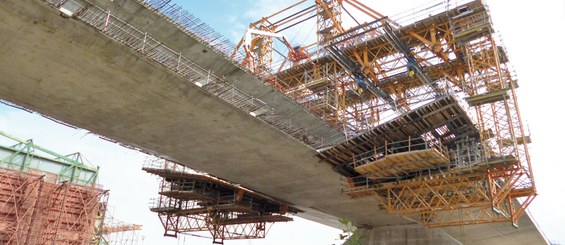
(391, 148)
(128, 35)
(426, 10)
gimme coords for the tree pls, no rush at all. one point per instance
(350, 234)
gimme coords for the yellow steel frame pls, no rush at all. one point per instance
(380, 62)
(462, 56)
(477, 195)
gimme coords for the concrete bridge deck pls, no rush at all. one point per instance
(63, 68)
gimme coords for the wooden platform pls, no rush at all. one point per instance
(246, 219)
(396, 165)
(185, 195)
(490, 97)
(205, 210)
(444, 111)
(359, 192)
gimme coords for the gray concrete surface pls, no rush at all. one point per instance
(404, 234)
(497, 233)
(62, 68)
(139, 16)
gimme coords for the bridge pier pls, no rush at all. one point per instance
(403, 235)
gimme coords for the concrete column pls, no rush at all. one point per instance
(404, 235)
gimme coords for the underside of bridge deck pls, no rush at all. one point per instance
(62, 68)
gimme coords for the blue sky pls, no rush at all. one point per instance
(530, 32)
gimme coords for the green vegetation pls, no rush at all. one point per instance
(350, 234)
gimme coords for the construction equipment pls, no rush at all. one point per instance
(46, 197)
(256, 42)
(192, 202)
(116, 232)
(439, 135)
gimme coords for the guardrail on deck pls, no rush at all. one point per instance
(128, 35)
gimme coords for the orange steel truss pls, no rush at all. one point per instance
(191, 202)
(121, 228)
(35, 209)
(20, 195)
(438, 76)
(115, 232)
(481, 194)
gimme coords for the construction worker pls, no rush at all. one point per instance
(410, 65)
(361, 85)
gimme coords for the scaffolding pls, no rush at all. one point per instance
(427, 99)
(436, 77)
(116, 232)
(45, 197)
(191, 202)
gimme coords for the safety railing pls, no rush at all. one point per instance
(425, 11)
(469, 22)
(167, 204)
(359, 34)
(193, 26)
(153, 162)
(126, 34)
(390, 148)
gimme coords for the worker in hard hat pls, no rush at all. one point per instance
(361, 85)
(410, 65)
